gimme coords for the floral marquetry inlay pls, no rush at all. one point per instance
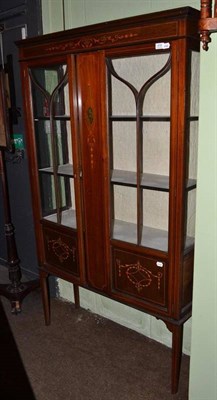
(92, 42)
(139, 275)
(61, 250)
(91, 140)
(90, 123)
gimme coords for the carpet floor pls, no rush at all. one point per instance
(80, 356)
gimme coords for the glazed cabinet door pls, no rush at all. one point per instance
(53, 163)
(152, 138)
(139, 113)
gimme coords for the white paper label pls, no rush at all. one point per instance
(162, 46)
(159, 264)
(23, 32)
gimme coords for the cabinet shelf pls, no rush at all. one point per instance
(151, 237)
(193, 118)
(191, 184)
(148, 181)
(56, 118)
(68, 218)
(153, 118)
(64, 169)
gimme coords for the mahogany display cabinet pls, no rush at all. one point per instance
(111, 114)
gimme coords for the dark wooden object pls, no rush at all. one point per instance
(88, 253)
(15, 291)
(208, 21)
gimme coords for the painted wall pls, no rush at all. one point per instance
(17, 171)
(85, 12)
(203, 368)
(72, 13)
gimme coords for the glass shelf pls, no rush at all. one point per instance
(121, 177)
(64, 169)
(148, 181)
(56, 117)
(142, 117)
(68, 218)
(151, 237)
(152, 181)
(154, 118)
(191, 184)
(193, 118)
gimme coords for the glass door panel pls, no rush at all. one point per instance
(190, 217)
(43, 139)
(157, 97)
(124, 215)
(124, 157)
(155, 219)
(156, 150)
(191, 149)
(67, 203)
(53, 143)
(139, 137)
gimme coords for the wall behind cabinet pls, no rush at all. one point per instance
(18, 15)
(203, 360)
(66, 14)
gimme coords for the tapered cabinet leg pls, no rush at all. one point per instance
(76, 296)
(177, 339)
(45, 296)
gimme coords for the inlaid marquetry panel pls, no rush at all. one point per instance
(61, 250)
(138, 276)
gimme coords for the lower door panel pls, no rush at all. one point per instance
(61, 250)
(142, 277)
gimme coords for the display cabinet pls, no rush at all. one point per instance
(111, 127)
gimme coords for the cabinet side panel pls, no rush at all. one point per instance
(91, 103)
(188, 269)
